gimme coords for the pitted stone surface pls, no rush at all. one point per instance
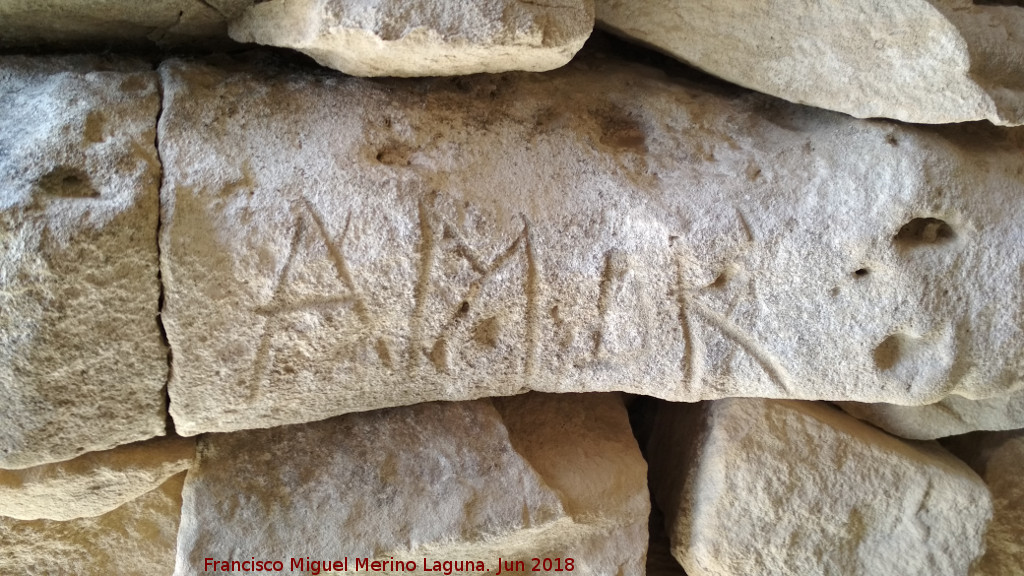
(135, 538)
(754, 486)
(926, 61)
(423, 38)
(82, 360)
(333, 244)
(94, 483)
(556, 476)
(948, 417)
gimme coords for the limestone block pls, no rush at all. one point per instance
(754, 486)
(335, 244)
(121, 23)
(82, 360)
(926, 61)
(539, 476)
(94, 483)
(999, 458)
(951, 416)
(423, 38)
(136, 538)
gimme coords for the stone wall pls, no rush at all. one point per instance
(464, 280)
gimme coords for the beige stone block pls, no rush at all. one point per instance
(121, 23)
(423, 38)
(94, 483)
(548, 476)
(335, 244)
(83, 364)
(926, 61)
(753, 486)
(948, 417)
(135, 538)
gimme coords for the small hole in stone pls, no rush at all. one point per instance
(65, 182)
(861, 272)
(920, 231)
(464, 309)
(887, 353)
(395, 155)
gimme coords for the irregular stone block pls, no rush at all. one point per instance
(82, 360)
(94, 483)
(120, 23)
(926, 61)
(540, 476)
(136, 538)
(951, 416)
(423, 38)
(794, 488)
(335, 244)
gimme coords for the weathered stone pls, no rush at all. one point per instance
(951, 416)
(555, 476)
(82, 361)
(999, 458)
(1004, 550)
(928, 61)
(423, 38)
(94, 483)
(335, 244)
(794, 488)
(120, 23)
(136, 538)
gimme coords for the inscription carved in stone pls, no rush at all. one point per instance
(487, 236)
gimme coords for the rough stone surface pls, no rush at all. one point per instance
(1004, 549)
(82, 360)
(94, 483)
(423, 38)
(999, 458)
(334, 244)
(951, 416)
(136, 538)
(754, 486)
(927, 61)
(119, 23)
(559, 476)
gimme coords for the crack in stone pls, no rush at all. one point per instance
(170, 429)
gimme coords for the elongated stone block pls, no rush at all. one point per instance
(927, 61)
(94, 483)
(754, 486)
(549, 476)
(948, 417)
(82, 360)
(333, 244)
(135, 538)
(120, 23)
(422, 38)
